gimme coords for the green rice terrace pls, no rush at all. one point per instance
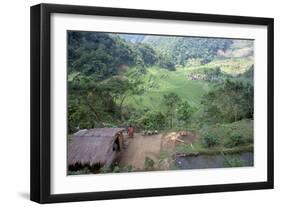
(188, 99)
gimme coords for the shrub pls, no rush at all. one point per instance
(116, 169)
(233, 162)
(152, 120)
(105, 169)
(210, 140)
(128, 168)
(148, 164)
(236, 139)
(79, 172)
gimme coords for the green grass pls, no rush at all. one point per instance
(158, 82)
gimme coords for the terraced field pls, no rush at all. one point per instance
(158, 82)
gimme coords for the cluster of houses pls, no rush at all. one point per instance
(204, 77)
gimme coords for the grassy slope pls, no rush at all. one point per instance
(158, 82)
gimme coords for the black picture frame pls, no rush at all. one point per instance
(41, 95)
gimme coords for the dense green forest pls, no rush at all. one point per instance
(161, 82)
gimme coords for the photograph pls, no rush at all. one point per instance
(133, 103)
(151, 102)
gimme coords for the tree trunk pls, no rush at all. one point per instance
(121, 106)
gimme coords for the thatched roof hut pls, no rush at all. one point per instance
(98, 146)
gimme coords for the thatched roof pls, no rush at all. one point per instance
(91, 146)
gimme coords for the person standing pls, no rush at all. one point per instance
(130, 131)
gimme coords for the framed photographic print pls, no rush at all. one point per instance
(133, 103)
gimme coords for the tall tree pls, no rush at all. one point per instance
(171, 100)
(184, 111)
(229, 102)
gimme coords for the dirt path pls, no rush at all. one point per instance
(139, 148)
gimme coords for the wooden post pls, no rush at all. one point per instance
(120, 139)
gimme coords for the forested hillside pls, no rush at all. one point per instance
(182, 49)
(103, 70)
